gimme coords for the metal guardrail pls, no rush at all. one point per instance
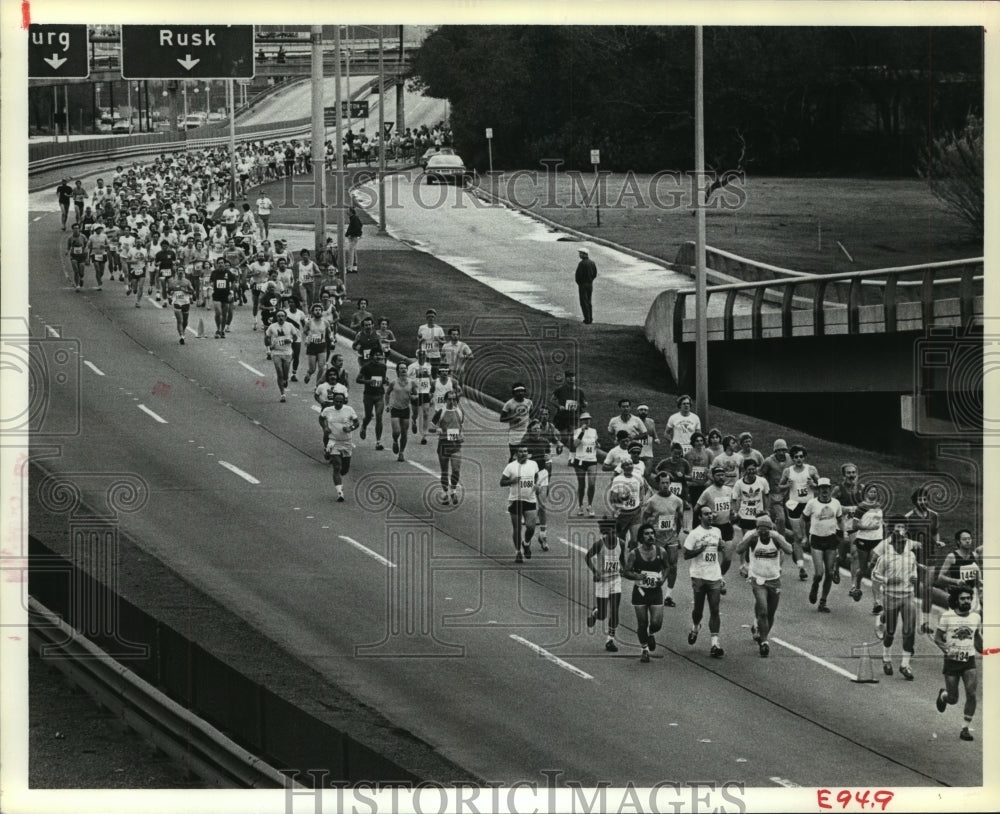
(180, 733)
(932, 283)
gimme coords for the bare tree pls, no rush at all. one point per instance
(953, 165)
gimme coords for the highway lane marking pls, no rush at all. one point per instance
(193, 331)
(367, 551)
(52, 331)
(781, 781)
(817, 659)
(317, 408)
(35, 220)
(423, 468)
(541, 651)
(564, 541)
(93, 367)
(145, 409)
(252, 370)
(237, 471)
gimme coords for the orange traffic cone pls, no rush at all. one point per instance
(201, 328)
(866, 673)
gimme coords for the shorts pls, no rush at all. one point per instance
(218, 296)
(400, 412)
(952, 667)
(520, 506)
(448, 448)
(747, 523)
(563, 421)
(699, 585)
(315, 348)
(796, 512)
(865, 545)
(647, 596)
(342, 448)
(828, 543)
(583, 465)
(423, 398)
(626, 520)
(726, 529)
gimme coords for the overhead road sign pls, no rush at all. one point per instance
(57, 52)
(187, 52)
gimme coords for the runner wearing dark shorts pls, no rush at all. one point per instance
(959, 636)
(646, 565)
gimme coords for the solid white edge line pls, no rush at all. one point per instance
(237, 471)
(193, 331)
(541, 651)
(252, 370)
(781, 781)
(93, 367)
(145, 409)
(580, 548)
(151, 301)
(317, 408)
(811, 657)
(422, 468)
(366, 550)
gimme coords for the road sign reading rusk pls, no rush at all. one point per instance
(595, 156)
(187, 52)
(57, 51)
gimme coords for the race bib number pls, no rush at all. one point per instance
(588, 449)
(710, 556)
(570, 406)
(167, 272)
(722, 506)
(222, 285)
(676, 489)
(628, 501)
(423, 386)
(802, 491)
(77, 250)
(969, 574)
(138, 271)
(98, 257)
(182, 298)
(526, 483)
(650, 579)
(315, 339)
(375, 382)
(281, 341)
(699, 473)
(452, 434)
(958, 652)
(749, 509)
(611, 566)
(665, 522)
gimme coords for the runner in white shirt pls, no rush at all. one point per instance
(703, 546)
(798, 482)
(264, 207)
(825, 516)
(520, 476)
(430, 338)
(609, 554)
(764, 546)
(959, 636)
(456, 353)
(515, 413)
(421, 373)
(683, 424)
(278, 338)
(625, 497)
(583, 447)
(339, 421)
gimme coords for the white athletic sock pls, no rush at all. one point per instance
(905, 662)
(715, 640)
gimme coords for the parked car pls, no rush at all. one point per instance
(122, 126)
(195, 120)
(433, 151)
(446, 168)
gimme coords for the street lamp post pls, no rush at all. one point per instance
(381, 135)
(701, 293)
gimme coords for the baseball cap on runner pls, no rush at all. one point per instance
(823, 482)
(518, 386)
(721, 469)
(780, 444)
(585, 415)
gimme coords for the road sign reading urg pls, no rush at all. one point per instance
(187, 52)
(57, 51)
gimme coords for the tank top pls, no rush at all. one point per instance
(765, 561)
(800, 489)
(609, 566)
(650, 569)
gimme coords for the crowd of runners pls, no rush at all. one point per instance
(710, 498)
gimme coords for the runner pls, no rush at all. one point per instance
(625, 497)
(646, 565)
(99, 253)
(180, 294)
(323, 395)
(456, 353)
(569, 402)
(318, 340)
(896, 572)
(64, 192)
(430, 337)
(703, 545)
(443, 385)
(420, 372)
(361, 313)
(718, 498)
(373, 375)
(222, 280)
(278, 338)
(76, 251)
(449, 418)
(642, 411)
(297, 319)
(400, 401)
(270, 302)
(633, 425)
(515, 414)
(959, 636)
(259, 271)
(664, 511)
(610, 554)
(520, 476)
(749, 494)
(868, 534)
(339, 421)
(618, 453)
(679, 468)
(583, 447)
(385, 335)
(923, 525)
(79, 195)
(714, 443)
(308, 273)
(700, 460)
(962, 568)
(366, 342)
(747, 451)
(135, 260)
(683, 424)
(848, 492)
(825, 516)
(264, 207)
(798, 480)
(764, 547)
(730, 460)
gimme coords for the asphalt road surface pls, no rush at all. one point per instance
(419, 610)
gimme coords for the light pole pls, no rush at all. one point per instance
(701, 293)
(339, 143)
(381, 136)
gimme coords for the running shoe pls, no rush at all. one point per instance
(722, 590)
(693, 636)
(651, 642)
(590, 511)
(965, 734)
(364, 433)
(887, 667)
(877, 609)
(855, 594)
(668, 602)
(378, 445)
(822, 607)
(282, 397)
(295, 378)
(400, 457)
(836, 575)
(340, 498)
(306, 379)
(754, 634)
(765, 649)
(423, 441)
(269, 355)
(591, 619)
(813, 592)
(444, 498)
(926, 628)
(906, 673)
(803, 576)
(644, 658)
(942, 700)
(716, 652)
(518, 557)
(579, 511)
(527, 551)
(182, 340)
(542, 542)
(395, 443)
(610, 646)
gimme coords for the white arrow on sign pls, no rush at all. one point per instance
(187, 63)
(56, 61)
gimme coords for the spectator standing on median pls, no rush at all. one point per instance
(586, 272)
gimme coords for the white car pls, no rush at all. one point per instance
(194, 120)
(445, 169)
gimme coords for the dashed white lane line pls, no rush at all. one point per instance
(154, 302)
(368, 551)
(317, 408)
(35, 220)
(564, 541)
(51, 331)
(781, 781)
(811, 657)
(193, 331)
(146, 410)
(237, 471)
(541, 651)
(93, 367)
(252, 369)
(423, 468)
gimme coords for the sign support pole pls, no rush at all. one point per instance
(232, 138)
(339, 142)
(701, 293)
(318, 138)
(382, 134)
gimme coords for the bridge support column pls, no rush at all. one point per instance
(400, 109)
